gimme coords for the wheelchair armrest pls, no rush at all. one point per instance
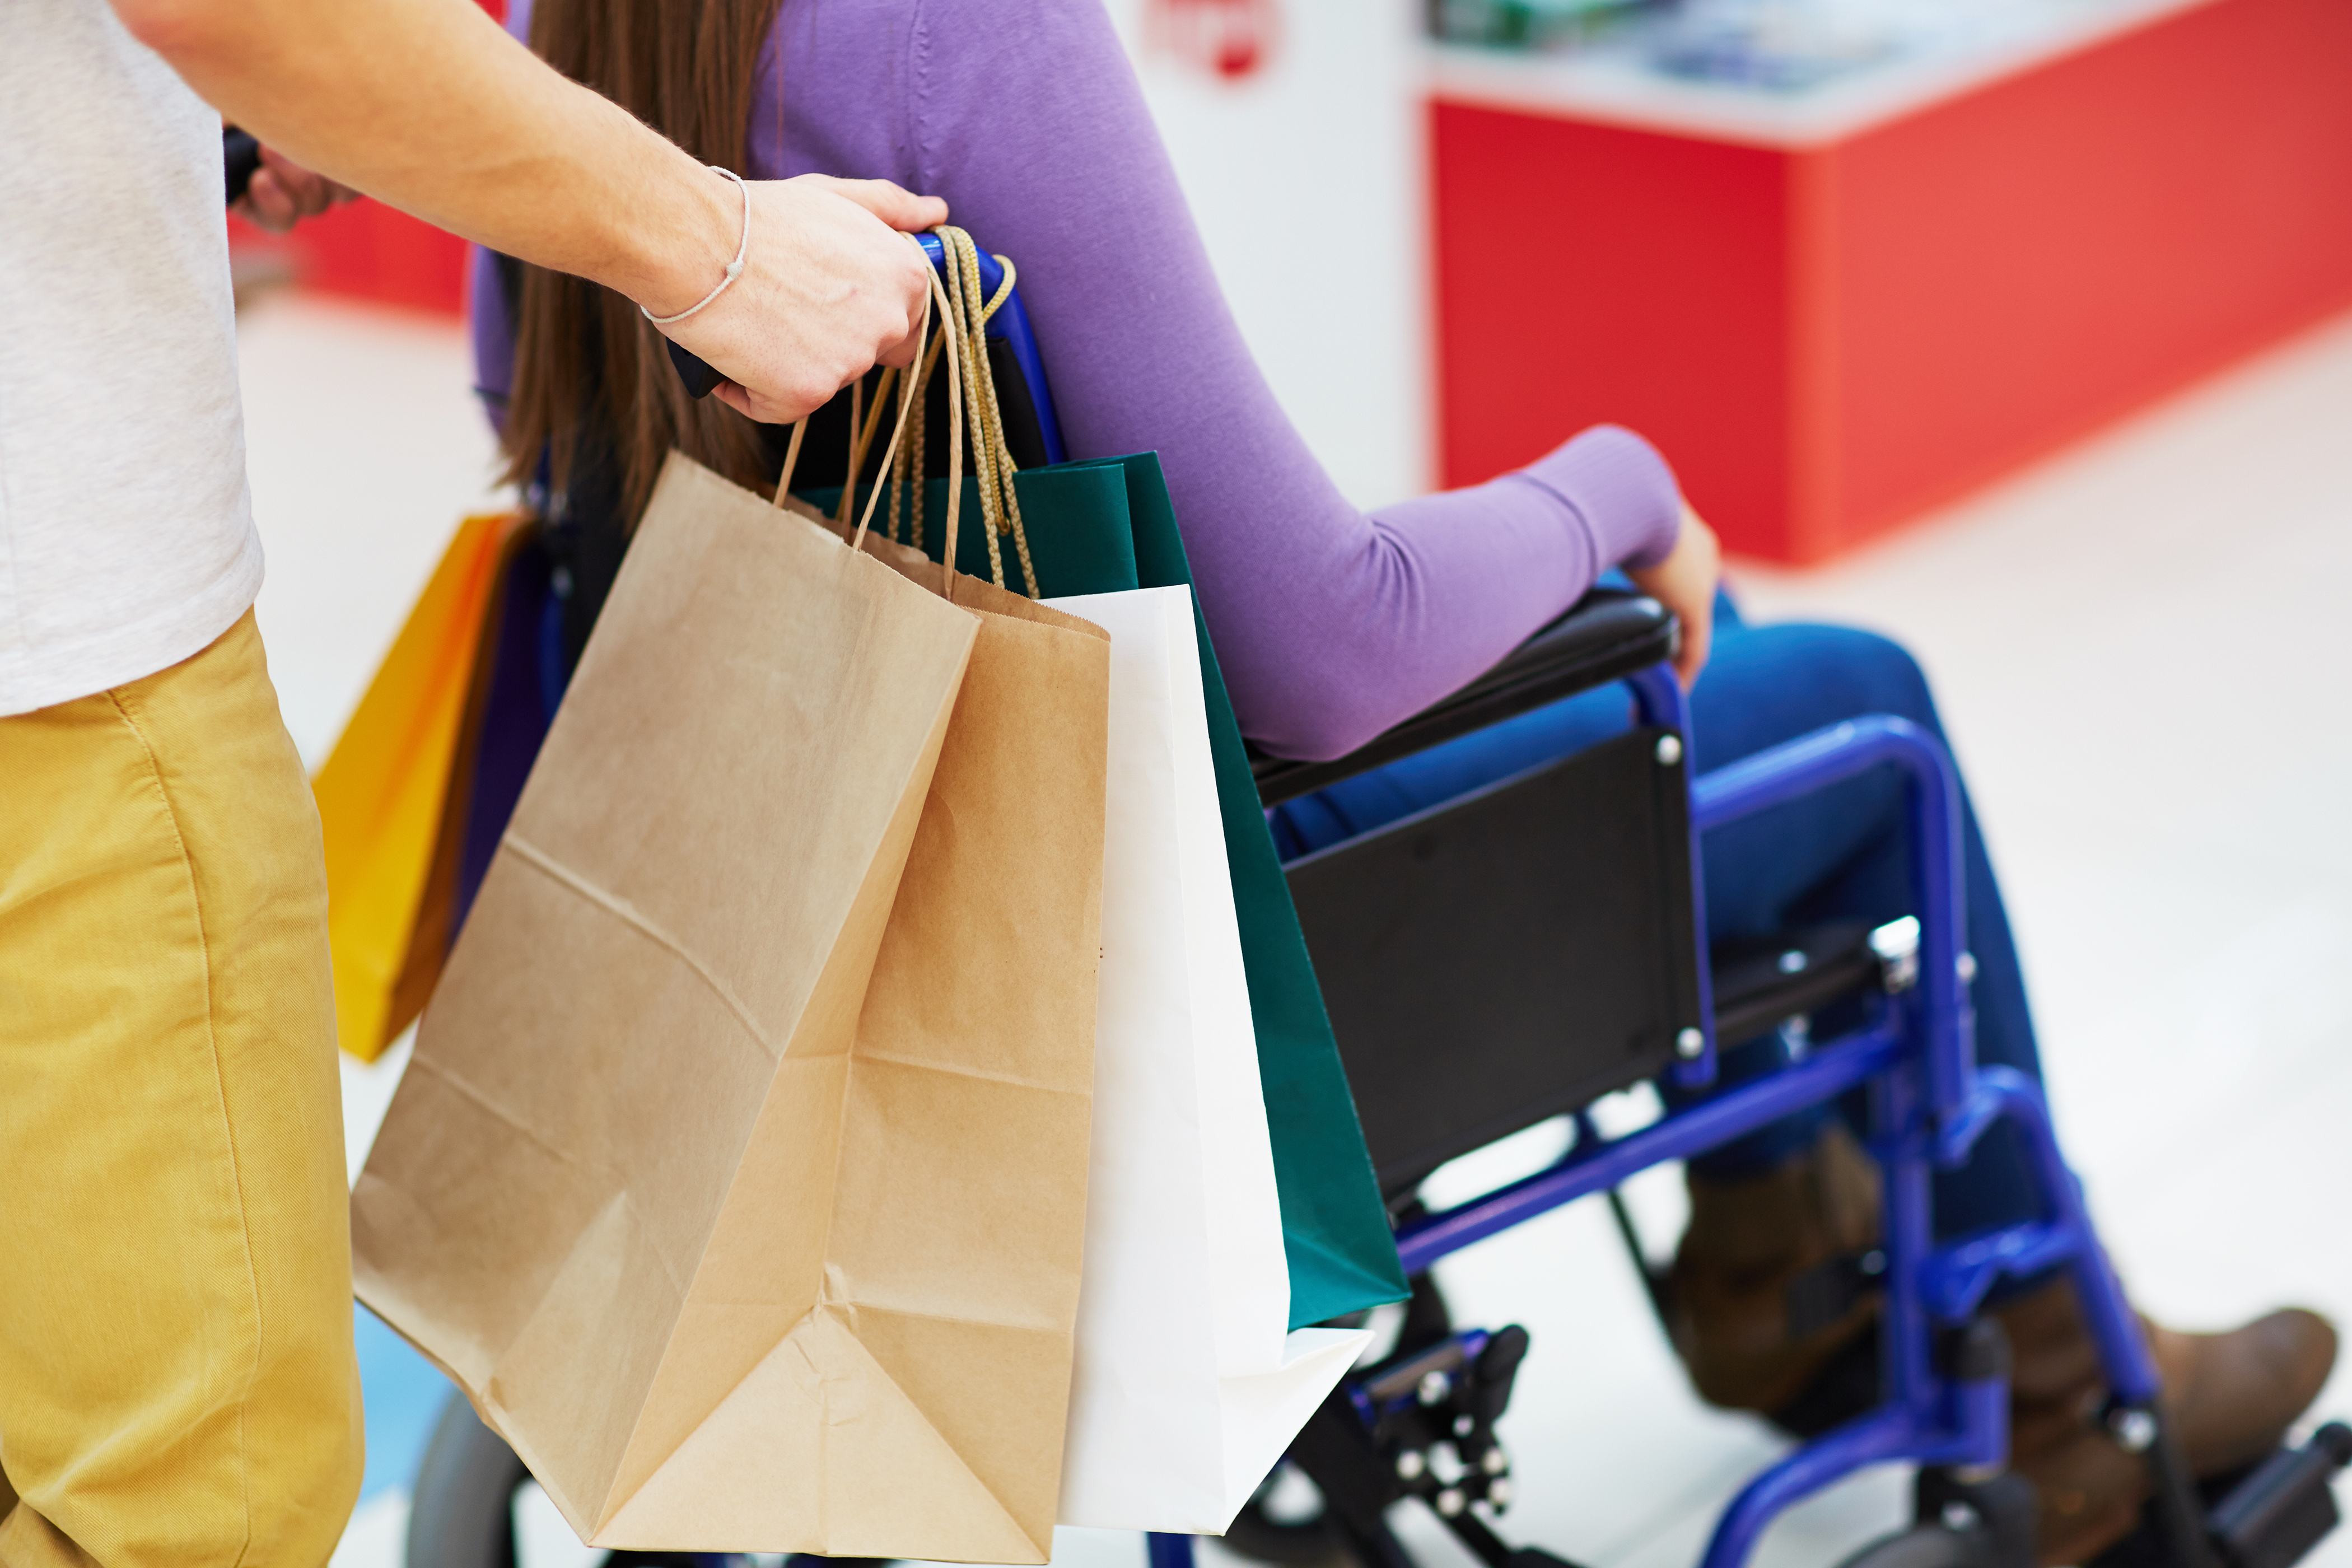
(1605, 636)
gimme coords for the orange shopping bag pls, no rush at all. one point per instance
(390, 795)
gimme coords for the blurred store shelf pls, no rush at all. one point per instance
(1845, 305)
(1776, 73)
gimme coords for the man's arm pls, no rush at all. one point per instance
(429, 105)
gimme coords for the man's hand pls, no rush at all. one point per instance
(1685, 582)
(830, 289)
(282, 193)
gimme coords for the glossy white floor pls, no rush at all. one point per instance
(2139, 647)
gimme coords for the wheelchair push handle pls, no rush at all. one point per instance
(701, 379)
(240, 161)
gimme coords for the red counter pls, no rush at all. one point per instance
(1831, 321)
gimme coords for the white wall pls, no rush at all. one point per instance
(1306, 177)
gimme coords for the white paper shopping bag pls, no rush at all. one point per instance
(1188, 1384)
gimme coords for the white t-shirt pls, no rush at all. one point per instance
(126, 530)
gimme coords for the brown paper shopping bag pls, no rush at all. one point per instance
(740, 1173)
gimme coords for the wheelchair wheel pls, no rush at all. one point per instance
(1282, 1522)
(1924, 1546)
(461, 1515)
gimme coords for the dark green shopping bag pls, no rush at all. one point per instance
(1107, 526)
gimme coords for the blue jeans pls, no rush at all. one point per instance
(1839, 854)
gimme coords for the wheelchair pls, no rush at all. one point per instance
(1514, 954)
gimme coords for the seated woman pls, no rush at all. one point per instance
(1332, 624)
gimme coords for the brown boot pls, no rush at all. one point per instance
(1748, 1240)
(2228, 1399)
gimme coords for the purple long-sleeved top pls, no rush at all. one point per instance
(1329, 624)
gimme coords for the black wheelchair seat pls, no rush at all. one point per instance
(1762, 984)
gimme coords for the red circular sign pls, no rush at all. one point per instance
(1229, 38)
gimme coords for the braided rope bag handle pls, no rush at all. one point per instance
(861, 434)
(987, 414)
(963, 317)
(992, 466)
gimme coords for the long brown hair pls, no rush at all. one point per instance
(593, 381)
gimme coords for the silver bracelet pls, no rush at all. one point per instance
(734, 268)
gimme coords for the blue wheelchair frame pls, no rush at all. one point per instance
(1930, 1104)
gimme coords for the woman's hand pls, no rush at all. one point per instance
(1685, 582)
(282, 193)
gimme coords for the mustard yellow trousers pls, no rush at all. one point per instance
(177, 1383)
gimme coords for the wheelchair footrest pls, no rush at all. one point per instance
(2281, 1511)
(1996, 1517)
(1421, 1425)
(2269, 1515)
